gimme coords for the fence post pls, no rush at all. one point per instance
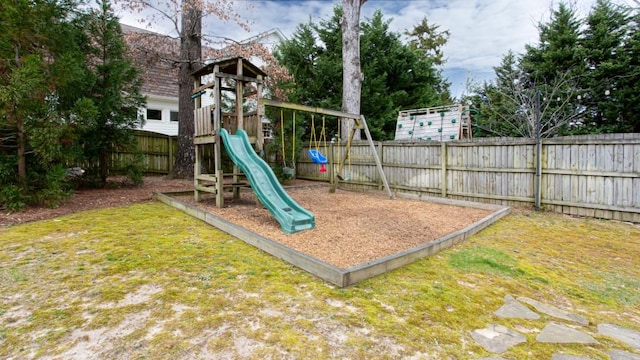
(170, 139)
(443, 171)
(380, 184)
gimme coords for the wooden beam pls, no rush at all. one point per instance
(203, 87)
(317, 110)
(239, 78)
(376, 157)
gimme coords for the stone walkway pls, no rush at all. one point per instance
(566, 328)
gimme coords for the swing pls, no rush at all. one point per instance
(315, 154)
(288, 172)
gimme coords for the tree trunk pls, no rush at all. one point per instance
(351, 74)
(191, 58)
(22, 162)
(103, 159)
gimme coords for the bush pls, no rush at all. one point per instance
(134, 169)
(11, 198)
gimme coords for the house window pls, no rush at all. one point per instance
(154, 114)
(174, 116)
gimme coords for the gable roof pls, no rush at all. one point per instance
(160, 77)
(229, 66)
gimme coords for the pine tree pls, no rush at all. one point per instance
(396, 76)
(609, 63)
(40, 66)
(115, 93)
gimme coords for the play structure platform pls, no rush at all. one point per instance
(264, 183)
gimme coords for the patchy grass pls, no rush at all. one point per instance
(147, 281)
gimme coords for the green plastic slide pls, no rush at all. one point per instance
(291, 216)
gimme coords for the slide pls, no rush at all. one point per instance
(291, 216)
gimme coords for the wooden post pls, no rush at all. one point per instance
(259, 115)
(443, 169)
(217, 147)
(383, 176)
(239, 122)
(380, 155)
(171, 160)
(331, 160)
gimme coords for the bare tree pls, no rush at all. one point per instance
(351, 74)
(518, 104)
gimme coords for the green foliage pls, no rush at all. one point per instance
(40, 63)
(68, 95)
(586, 71)
(134, 169)
(613, 69)
(396, 75)
(115, 95)
(50, 186)
(11, 198)
(428, 40)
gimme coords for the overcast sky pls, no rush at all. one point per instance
(481, 31)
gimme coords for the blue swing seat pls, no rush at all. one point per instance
(317, 157)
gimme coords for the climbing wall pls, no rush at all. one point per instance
(443, 123)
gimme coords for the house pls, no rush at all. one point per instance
(161, 87)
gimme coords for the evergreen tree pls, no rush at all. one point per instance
(628, 85)
(40, 65)
(428, 40)
(609, 63)
(556, 53)
(115, 94)
(396, 76)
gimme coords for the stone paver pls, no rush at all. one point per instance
(497, 338)
(514, 309)
(631, 337)
(562, 334)
(622, 355)
(554, 311)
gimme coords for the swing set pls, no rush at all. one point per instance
(317, 140)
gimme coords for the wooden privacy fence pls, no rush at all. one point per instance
(592, 175)
(158, 153)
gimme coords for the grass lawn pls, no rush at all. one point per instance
(149, 282)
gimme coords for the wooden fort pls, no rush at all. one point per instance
(239, 80)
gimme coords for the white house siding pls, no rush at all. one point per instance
(166, 105)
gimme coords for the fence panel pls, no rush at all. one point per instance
(589, 175)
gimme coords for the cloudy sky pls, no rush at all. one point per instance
(481, 31)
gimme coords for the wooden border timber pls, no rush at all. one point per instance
(331, 273)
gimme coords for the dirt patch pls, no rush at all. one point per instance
(352, 228)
